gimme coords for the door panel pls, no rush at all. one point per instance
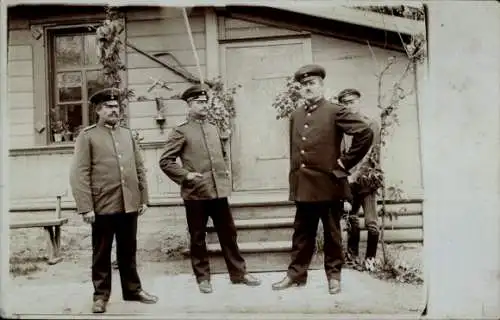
(260, 144)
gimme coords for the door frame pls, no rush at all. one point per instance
(304, 40)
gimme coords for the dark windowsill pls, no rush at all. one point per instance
(65, 148)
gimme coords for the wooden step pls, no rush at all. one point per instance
(281, 229)
(286, 209)
(263, 262)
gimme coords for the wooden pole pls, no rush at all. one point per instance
(193, 47)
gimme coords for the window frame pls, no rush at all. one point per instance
(52, 99)
(46, 79)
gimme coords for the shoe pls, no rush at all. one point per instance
(370, 264)
(247, 279)
(99, 306)
(286, 283)
(142, 296)
(333, 286)
(205, 286)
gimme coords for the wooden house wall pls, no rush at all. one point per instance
(347, 63)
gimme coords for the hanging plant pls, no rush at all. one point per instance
(109, 48)
(288, 100)
(221, 106)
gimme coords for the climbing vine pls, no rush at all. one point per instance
(109, 49)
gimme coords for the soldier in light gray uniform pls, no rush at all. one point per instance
(364, 194)
(205, 186)
(108, 182)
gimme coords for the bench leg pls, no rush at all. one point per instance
(54, 244)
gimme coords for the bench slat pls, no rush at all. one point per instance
(38, 223)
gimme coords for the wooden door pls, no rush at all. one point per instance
(260, 144)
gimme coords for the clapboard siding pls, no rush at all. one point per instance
(20, 87)
(167, 43)
(144, 75)
(351, 65)
(141, 90)
(20, 84)
(235, 29)
(20, 53)
(162, 27)
(155, 31)
(146, 108)
(184, 57)
(164, 13)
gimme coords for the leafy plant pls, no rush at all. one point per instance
(288, 100)
(221, 106)
(110, 47)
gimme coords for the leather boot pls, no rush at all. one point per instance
(371, 245)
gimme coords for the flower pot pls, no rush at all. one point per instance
(58, 137)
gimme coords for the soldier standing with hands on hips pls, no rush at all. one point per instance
(108, 183)
(205, 186)
(364, 193)
(318, 176)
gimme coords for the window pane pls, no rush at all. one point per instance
(95, 82)
(91, 50)
(68, 51)
(69, 86)
(66, 122)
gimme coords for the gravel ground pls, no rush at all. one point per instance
(66, 287)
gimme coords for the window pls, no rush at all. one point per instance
(75, 74)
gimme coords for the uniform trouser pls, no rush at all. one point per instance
(307, 217)
(197, 213)
(368, 202)
(104, 228)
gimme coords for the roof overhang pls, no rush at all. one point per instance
(358, 17)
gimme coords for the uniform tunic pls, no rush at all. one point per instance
(315, 138)
(200, 149)
(107, 174)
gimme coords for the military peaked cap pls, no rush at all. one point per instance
(108, 94)
(196, 91)
(345, 94)
(309, 71)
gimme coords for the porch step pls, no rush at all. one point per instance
(259, 257)
(404, 229)
(284, 209)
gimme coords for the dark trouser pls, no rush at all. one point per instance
(105, 227)
(368, 201)
(304, 238)
(197, 213)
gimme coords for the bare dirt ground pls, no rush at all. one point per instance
(164, 270)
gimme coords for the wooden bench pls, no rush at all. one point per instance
(53, 232)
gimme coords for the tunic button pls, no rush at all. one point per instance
(302, 151)
(123, 180)
(303, 138)
(121, 168)
(119, 156)
(308, 114)
(306, 126)
(303, 165)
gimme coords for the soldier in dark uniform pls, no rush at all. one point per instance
(108, 182)
(318, 174)
(364, 194)
(205, 186)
